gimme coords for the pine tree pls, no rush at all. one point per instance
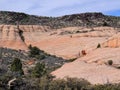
(16, 66)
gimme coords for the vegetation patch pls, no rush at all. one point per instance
(71, 60)
(21, 35)
(110, 62)
(98, 46)
(16, 66)
(87, 20)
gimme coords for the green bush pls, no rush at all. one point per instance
(16, 66)
(40, 57)
(39, 70)
(106, 87)
(30, 46)
(105, 24)
(98, 46)
(33, 51)
(110, 62)
(21, 35)
(77, 31)
(71, 60)
(62, 84)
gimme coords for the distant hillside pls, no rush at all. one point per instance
(83, 19)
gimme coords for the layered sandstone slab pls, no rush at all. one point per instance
(55, 41)
(67, 43)
(113, 42)
(10, 36)
(95, 74)
(93, 67)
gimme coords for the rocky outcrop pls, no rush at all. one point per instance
(34, 28)
(93, 66)
(95, 74)
(12, 36)
(47, 39)
(113, 42)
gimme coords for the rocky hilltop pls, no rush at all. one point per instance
(84, 19)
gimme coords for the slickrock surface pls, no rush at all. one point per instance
(93, 67)
(68, 43)
(67, 36)
(94, 73)
(9, 37)
(65, 42)
(113, 41)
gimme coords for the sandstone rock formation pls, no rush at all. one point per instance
(10, 38)
(113, 42)
(95, 74)
(10, 35)
(68, 43)
(93, 66)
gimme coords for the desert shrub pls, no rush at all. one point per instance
(45, 81)
(21, 35)
(118, 67)
(77, 31)
(54, 56)
(105, 24)
(36, 53)
(40, 57)
(16, 66)
(33, 51)
(30, 46)
(98, 46)
(68, 84)
(71, 60)
(39, 70)
(78, 84)
(57, 84)
(110, 62)
(4, 79)
(106, 87)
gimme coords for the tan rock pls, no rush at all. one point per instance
(90, 66)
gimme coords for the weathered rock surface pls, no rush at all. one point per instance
(113, 42)
(93, 66)
(10, 38)
(95, 74)
(68, 43)
(10, 35)
(64, 42)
